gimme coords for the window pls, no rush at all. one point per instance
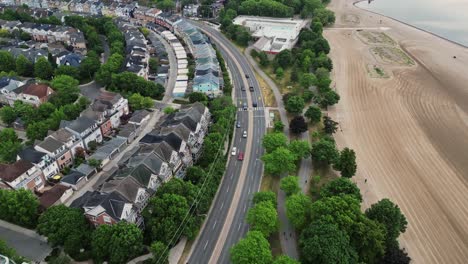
(38, 180)
(107, 219)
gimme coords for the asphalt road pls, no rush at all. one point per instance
(209, 243)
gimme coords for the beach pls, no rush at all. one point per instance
(404, 110)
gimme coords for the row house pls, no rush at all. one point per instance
(145, 14)
(42, 160)
(31, 93)
(53, 33)
(32, 54)
(72, 141)
(167, 20)
(57, 150)
(107, 208)
(137, 54)
(21, 175)
(85, 129)
(129, 188)
(7, 86)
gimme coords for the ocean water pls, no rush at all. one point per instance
(446, 18)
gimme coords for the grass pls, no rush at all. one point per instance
(326, 174)
(267, 93)
(186, 251)
(271, 183)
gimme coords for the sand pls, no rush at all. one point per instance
(409, 127)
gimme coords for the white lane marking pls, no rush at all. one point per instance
(215, 224)
(232, 175)
(228, 189)
(249, 189)
(245, 207)
(222, 205)
(239, 227)
(206, 244)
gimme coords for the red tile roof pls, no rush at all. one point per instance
(39, 90)
(49, 197)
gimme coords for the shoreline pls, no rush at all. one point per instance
(408, 24)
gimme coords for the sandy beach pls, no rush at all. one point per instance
(404, 110)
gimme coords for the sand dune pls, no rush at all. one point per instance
(410, 131)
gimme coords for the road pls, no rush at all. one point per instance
(26, 242)
(226, 222)
(172, 63)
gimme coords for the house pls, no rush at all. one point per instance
(69, 59)
(99, 117)
(7, 85)
(129, 132)
(32, 54)
(54, 196)
(32, 93)
(84, 128)
(140, 117)
(109, 150)
(113, 105)
(57, 150)
(45, 162)
(107, 208)
(71, 141)
(74, 180)
(22, 174)
(129, 188)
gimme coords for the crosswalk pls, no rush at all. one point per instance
(251, 109)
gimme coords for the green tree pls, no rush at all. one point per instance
(89, 66)
(37, 130)
(19, 207)
(346, 163)
(117, 243)
(290, 185)
(51, 224)
(329, 98)
(68, 70)
(160, 253)
(264, 61)
(283, 259)
(169, 110)
(298, 125)
(307, 80)
(278, 126)
(279, 161)
(298, 208)
(7, 61)
(395, 256)
(198, 97)
(300, 148)
(314, 114)
(341, 186)
(45, 110)
(368, 239)
(343, 210)
(95, 163)
(284, 58)
(10, 145)
(137, 101)
(325, 16)
(294, 104)
(265, 196)
(279, 73)
(8, 115)
(254, 248)
(390, 215)
(153, 64)
(24, 67)
(10, 252)
(165, 5)
(329, 125)
(324, 152)
(264, 218)
(195, 175)
(272, 141)
(43, 69)
(324, 243)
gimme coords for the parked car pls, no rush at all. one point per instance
(238, 124)
(234, 151)
(241, 156)
(244, 134)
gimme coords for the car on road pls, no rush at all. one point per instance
(254, 104)
(242, 88)
(238, 124)
(244, 134)
(251, 88)
(240, 156)
(245, 106)
(234, 151)
(246, 76)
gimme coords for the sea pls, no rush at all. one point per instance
(445, 18)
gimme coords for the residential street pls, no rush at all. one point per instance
(26, 242)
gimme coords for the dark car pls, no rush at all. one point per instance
(246, 76)
(251, 88)
(254, 104)
(242, 88)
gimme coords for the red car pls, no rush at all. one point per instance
(241, 156)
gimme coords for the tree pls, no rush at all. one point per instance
(329, 125)
(300, 148)
(198, 97)
(89, 65)
(263, 217)
(37, 130)
(283, 259)
(195, 175)
(325, 16)
(24, 67)
(395, 256)
(390, 215)
(279, 73)
(298, 208)
(7, 61)
(368, 239)
(95, 163)
(117, 243)
(321, 45)
(51, 224)
(137, 101)
(324, 152)
(341, 186)
(169, 110)
(307, 80)
(294, 104)
(298, 125)
(272, 141)
(165, 5)
(10, 145)
(290, 185)
(329, 98)
(324, 243)
(264, 61)
(278, 126)
(45, 110)
(160, 253)
(153, 65)
(284, 58)
(265, 196)
(279, 161)
(314, 114)
(346, 163)
(19, 207)
(254, 248)
(8, 115)
(68, 70)
(43, 69)
(9, 252)
(343, 210)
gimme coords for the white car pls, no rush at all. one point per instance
(234, 151)
(245, 134)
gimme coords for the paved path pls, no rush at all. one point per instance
(26, 242)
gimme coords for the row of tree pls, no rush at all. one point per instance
(240, 35)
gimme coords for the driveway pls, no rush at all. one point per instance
(27, 243)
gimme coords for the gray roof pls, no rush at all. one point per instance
(61, 135)
(139, 115)
(86, 169)
(150, 160)
(108, 148)
(112, 202)
(127, 130)
(127, 187)
(50, 144)
(73, 177)
(78, 125)
(140, 173)
(31, 155)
